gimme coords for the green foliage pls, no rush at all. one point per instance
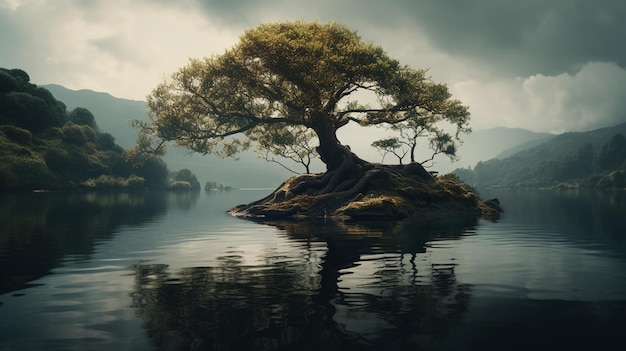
(40, 149)
(107, 141)
(83, 117)
(20, 76)
(25, 105)
(457, 179)
(7, 82)
(27, 111)
(615, 179)
(428, 127)
(77, 134)
(153, 170)
(292, 75)
(185, 175)
(181, 185)
(107, 182)
(291, 143)
(17, 135)
(612, 155)
(390, 145)
(583, 166)
(135, 182)
(20, 172)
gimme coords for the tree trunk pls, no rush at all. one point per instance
(347, 178)
(331, 152)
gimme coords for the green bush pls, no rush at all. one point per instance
(18, 135)
(154, 170)
(7, 82)
(615, 179)
(106, 182)
(28, 111)
(107, 142)
(186, 175)
(57, 159)
(78, 134)
(84, 117)
(10, 148)
(180, 185)
(25, 173)
(135, 182)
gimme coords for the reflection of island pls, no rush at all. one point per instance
(307, 302)
(38, 230)
(185, 200)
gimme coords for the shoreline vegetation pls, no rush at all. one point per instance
(44, 147)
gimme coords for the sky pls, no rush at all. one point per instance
(543, 65)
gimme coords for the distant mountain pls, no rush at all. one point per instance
(113, 115)
(491, 143)
(541, 138)
(574, 157)
(44, 146)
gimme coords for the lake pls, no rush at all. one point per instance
(173, 271)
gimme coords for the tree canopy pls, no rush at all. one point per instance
(281, 77)
(283, 80)
(42, 146)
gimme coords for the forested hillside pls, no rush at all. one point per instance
(482, 145)
(586, 159)
(44, 146)
(114, 115)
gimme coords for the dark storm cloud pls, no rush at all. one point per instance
(545, 65)
(517, 37)
(528, 37)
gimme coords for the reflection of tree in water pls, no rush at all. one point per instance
(305, 301)
(39, 230)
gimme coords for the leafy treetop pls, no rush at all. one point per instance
(285, 76)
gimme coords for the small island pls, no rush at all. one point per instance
(284, 90)
(290, 85)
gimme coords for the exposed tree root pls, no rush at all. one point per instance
(361, 190)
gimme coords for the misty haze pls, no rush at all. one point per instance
(309, 175)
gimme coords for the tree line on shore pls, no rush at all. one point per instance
(594, 159)
(44, 146)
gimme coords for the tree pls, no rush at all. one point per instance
(83, 116)
(290, 76)
(27, 106)
(440, 142)
(185, 175)
(390, 145)
(612, 155)
(294, 144)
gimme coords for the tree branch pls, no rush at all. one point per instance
(271, 159)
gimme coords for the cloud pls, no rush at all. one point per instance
(591, 98)
(122, 47)
(523, 38)
(518, 38)
(547, 65)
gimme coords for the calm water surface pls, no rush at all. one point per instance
(163, 271)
